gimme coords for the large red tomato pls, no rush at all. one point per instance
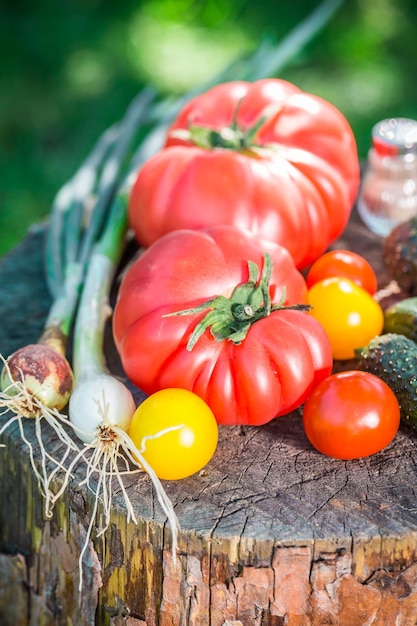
(248, 361)
(264, 156)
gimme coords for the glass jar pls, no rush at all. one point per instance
(388, 193)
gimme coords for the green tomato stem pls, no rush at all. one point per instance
(228, 138)
(231, 318)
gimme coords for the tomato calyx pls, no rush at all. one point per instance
(231, 137)
(231, 318)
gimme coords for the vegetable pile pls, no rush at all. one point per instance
(229, 197)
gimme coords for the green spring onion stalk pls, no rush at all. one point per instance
(65, 226)
(37, 380)
(101, 406)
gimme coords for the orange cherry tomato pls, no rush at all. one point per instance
(346, 264)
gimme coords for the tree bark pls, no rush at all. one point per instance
(272, 532)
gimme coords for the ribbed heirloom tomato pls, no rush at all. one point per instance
(209, 311)
(264, 156)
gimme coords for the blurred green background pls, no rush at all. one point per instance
(70, 68)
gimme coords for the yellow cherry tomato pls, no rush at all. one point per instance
(349, 314)
(176, 431)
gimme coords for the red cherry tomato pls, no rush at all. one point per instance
(350, 415)
(344, 264)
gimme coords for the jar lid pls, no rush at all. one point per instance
(395, 136)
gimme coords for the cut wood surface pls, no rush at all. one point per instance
(272, 532)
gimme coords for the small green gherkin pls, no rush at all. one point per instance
(399, 253)
(393, 358)
(401, 318)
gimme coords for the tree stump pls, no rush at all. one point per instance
(272, 532)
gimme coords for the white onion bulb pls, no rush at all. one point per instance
(97, 401)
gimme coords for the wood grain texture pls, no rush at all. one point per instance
(272, 532)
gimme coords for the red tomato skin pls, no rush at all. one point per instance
(270, 373)
(346, 264)
(350, 416)
(300, 194)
